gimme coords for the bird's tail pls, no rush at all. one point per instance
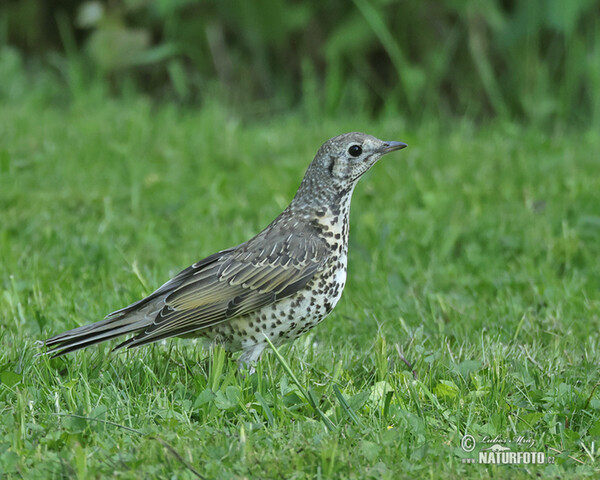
(131, 319)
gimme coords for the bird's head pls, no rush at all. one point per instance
(342, 160)
(338, 165)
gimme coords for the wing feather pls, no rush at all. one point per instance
(245, 279)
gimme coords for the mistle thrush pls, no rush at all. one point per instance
(279, 284)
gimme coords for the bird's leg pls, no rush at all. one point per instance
(250, 356)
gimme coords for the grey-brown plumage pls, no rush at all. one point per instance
(281, 283)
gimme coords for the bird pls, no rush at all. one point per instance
(277, 285)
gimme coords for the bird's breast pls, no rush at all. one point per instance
(333, 227)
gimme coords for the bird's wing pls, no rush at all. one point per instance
(131, 319)
(266, 269)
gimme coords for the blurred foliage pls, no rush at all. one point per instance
(534, 60)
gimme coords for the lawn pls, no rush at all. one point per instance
(474, 255)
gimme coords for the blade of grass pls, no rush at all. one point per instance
(267, 410)
(347, 408)
(308, 396)
(407, 75)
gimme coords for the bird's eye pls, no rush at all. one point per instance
(355, 150)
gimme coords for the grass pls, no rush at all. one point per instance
(475, 255)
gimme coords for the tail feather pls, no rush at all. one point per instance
(129, 320)
(135, 318)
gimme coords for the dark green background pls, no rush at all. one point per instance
(535, 61)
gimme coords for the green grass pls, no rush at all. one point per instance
(475, 254)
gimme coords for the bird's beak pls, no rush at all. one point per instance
(392, 146)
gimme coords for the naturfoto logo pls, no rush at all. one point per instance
(500, 454)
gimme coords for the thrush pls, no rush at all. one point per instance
(279, 284)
